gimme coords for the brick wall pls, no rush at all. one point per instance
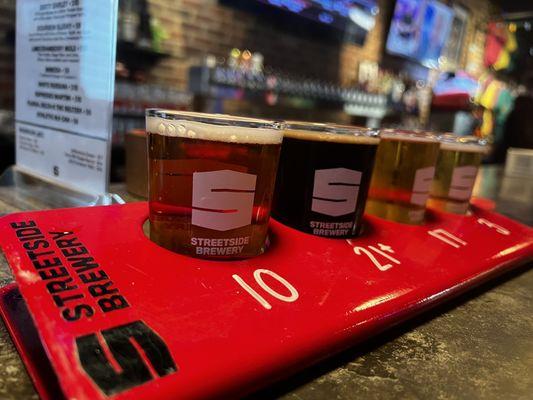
(7, 54)
(199, 27)
(372, 50)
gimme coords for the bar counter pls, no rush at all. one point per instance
(477, 346)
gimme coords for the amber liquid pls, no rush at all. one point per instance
(391, 187)
(172, 163)
(440, 197)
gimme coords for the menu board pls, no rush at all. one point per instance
(65, 69)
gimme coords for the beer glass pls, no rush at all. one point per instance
(323, 178)
(457, 165)
(405, 165)
(211, 179)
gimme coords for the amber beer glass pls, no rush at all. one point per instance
(323, 178)
(404, 170)
(457, 166)
(211, 179)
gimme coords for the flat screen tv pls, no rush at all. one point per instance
(336, 13)
(349, 19)
(419, 30)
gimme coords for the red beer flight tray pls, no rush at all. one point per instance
(167, 326)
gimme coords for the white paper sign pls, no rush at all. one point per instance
(65, 70)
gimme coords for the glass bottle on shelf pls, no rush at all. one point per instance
(128, 21)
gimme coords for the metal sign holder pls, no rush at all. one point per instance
(63, 106)
(26, 190)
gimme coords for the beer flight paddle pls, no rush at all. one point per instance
(117, 316)
(219, 299)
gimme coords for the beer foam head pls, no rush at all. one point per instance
(466, 144)
(216, 127)
(408, 135)
(330, 133)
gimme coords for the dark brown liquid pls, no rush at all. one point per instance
(295, 185)
(172, 163)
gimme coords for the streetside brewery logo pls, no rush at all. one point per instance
(335, 191)
(134, 347)
(423, 180)
(222, 200)
(117, 358)
(463, 179)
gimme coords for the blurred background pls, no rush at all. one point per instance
(458, 66)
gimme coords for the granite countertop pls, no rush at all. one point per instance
(478, 346)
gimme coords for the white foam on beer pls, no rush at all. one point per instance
(208, 131)
(464, 147)
(329, 137)
(464, 144)
(409, 136)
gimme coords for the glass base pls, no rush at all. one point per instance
(25, 190)
(178, 247)
(449, 206)
(397, 212)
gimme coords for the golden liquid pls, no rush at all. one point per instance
(172, 162)
(392, 182)
(447, 161)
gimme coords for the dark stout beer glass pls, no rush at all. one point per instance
(404, 170)
(323, 178)
(457, 167)
(211, 179)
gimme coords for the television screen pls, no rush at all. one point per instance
(419, 30)
(336, 13)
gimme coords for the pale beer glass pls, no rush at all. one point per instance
(457, 166)
(404, 170)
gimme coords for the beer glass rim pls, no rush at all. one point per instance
(353, 130)
(409, 135)
(305, 126)
(470, 143)
(334, 132)
(213, 119)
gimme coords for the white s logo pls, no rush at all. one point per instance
(463, 179)
(335, 191)
(423, 180)
(222, 200)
